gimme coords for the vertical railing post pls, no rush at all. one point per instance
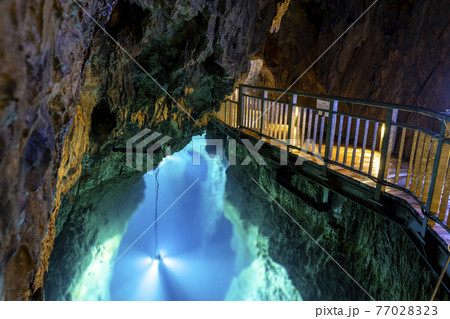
(226, 106)
(291, 103)
(235, 108)
(433, 176)
(384, 153)
(239, 108)
(263, 101)
(393, 129)
(331, 125)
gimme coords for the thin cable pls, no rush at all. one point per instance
(315, 241)
(440, 279)
(446, 127)
(137, 239)
(441, 117)
(156, 213)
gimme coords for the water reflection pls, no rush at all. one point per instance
(193, 236)
(205, 250)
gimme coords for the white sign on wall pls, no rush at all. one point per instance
(323, 105)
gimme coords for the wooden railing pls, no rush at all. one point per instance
(399, 149)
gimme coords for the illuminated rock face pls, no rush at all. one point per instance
(373, 250)
(42, 45)
(278, 286)
(68, 95)
(91, 236)
(260, 278)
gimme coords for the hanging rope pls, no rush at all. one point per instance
(156, 214)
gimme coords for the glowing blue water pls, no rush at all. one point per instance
(194, 237)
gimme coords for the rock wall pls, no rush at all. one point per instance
(70, 98)
(373, 250)
(87, 245)
(261, 278)
(42, 48)
(397, 52)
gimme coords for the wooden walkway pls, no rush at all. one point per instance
(392, 168)
(407, 162)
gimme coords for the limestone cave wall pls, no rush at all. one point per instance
(371, 249)
(396, 52)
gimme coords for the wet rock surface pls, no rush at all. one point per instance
(42, 47)
(371, 249)
(87, 243)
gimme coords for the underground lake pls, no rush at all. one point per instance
(184, 241)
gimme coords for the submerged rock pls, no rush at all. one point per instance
(278, 287)
(259, 277)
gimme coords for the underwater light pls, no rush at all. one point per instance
(161, 255)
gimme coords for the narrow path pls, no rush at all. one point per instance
(406, 161)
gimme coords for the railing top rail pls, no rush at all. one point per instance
(230, 100)
(442, 116)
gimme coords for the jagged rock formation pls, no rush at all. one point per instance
(373, 250)
(261, 278)
(397, 52)
(42, 47)
(277, 285)
(70, 98)
(88, 243)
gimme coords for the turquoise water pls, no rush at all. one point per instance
(205, 251)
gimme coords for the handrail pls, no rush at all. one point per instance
(442, 116)
(360, 144)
